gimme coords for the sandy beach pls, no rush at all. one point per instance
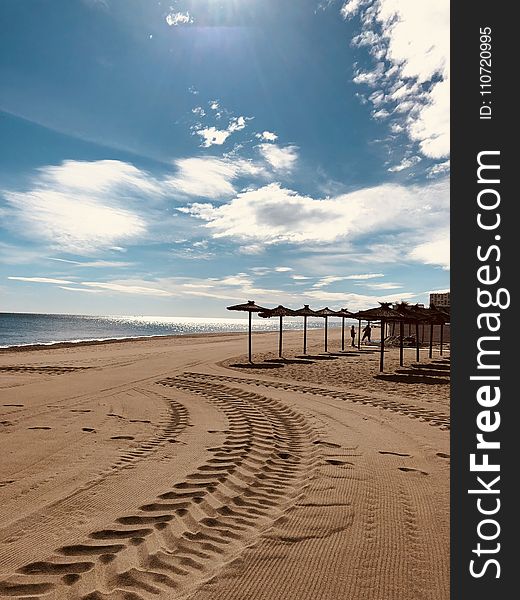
(165, 468)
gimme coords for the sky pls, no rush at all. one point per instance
(172, 158)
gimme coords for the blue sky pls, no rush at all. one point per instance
(171, 158)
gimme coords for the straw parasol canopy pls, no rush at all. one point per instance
(326, 313)
(279, 311)
(251, 308)
(384, 311)
(305, 312)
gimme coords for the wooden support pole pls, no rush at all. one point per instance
(431, 340)
(382, 355)
(343, 334)
(280, 338)
(442, 335)
(326, 333)
(401, 343)
(305, 334)
(250, 336)
(417, 357)
(359, 335)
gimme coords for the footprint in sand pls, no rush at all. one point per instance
(122, 437)
(16, 405)
(89, 429)
(327, 444)
(393, 453)
(443, 455)
(335, 462)
(39, 427)
(408, 469)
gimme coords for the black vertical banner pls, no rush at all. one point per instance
(484, 251)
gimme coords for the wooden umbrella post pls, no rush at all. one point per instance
(305, 334)
(382, 356)
(417, 356)
(442, 335)
(343, 334)
(326, 332)
(359, 335)
(250, 336)
(431, 340)
(280, 337)
(401, 343)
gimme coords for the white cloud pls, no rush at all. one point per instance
(173, 19)
(267, 136)
(73, 289)
(94, 263)
(272, 214)
(382, 286)
(300, 277)
(209, 177)
(283, 269)
(82, 207)
(410, 44)
(281, 159)
(128, 288)
(231, 287)
(100, 176)
(438, 169)
(406, 163)
(41, 280)
(365, 276)
(356, 302)
(236, 124)
(211, 136)
(436, 252)
(324, 281)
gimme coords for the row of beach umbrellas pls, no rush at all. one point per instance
(401, 313)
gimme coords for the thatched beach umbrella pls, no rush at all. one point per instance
(383, 313)
(344, 314)
(279, 311)
(326, 313)
(251, 308)
(305, 312)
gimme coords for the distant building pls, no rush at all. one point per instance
(440, 300)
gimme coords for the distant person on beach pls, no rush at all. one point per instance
(353, 335)
(367, 333)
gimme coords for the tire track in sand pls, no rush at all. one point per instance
(433, 417)
(171, 544)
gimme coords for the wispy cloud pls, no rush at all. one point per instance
(209, 176)
(93, 263)
(82, 207)
(409, 43)
(280, 158)
(41, 280)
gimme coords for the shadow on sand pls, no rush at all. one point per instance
(289, 361)
(312, 357)
(257, 365)
(413, 378)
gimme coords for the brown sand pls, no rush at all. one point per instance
(160, 469)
